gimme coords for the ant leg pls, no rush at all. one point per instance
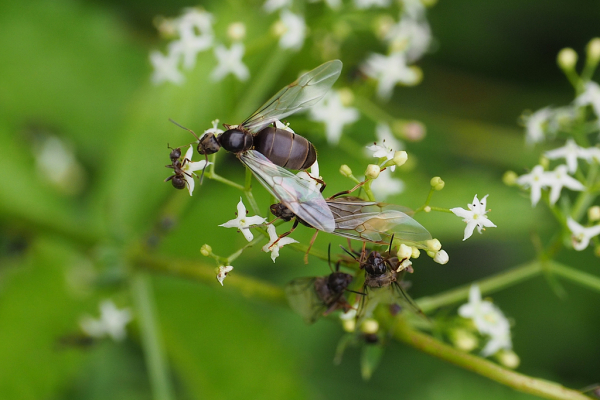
(347, 191)
(320, 181)
(287, 233)
(310, 246)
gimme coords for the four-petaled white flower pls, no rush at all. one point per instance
(274, 247)
(165, 67)
(189, 167)
(535, 125)
(558, 179)
(386, 145)
(535, 180)
(243, 223)
(230, 62)
(363, 4)
(489, 320)
(190, 43)
(411, 36)
(385, 186)
(591, 96)
(570, 152)
(273, 5)
(581, 235)
(475, 216)
(111, 323)
(334, 114)
(222, 273)
(292, 29)
(390, 71)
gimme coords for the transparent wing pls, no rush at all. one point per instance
(389, 294)
(295, 193)
(304, 300)
(374, 222)
(304, 92)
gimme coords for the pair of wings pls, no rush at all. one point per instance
(304, 300)
(391, 294)
(297, 194)
(375, 222)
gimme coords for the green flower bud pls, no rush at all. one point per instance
(567, 58)
(206, 250)
(345, 171)
(372, 171)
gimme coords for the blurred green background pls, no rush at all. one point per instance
(80, 70)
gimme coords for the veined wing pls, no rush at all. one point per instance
(374, 222)
(295, 193)
(304, 92)
(304, 300)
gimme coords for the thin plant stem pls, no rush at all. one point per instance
(515, 380)
(156, 361)
(488, 285)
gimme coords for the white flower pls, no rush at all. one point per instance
(189, 167)
(111, 323)
(388, 145)
(363, 4)
(230, 62)
(570, 152)
(243, 223)
(536, 180)
(581, 236)
(190, 43)
(281, 125)
(214, 130)
(314, 173)
(592, 154)
(274, 247)
(476, 309)
(558, 179)
(499, 341)
(273, 5)
(475, 216)
(56, 161)
(441, 257)
(222, 273)
(535, 124)
(385, 185)
(292, 29)
(411, 36)
(414, 9)
(332, 112)
(165, 67)
(389, 71)
(591, 96)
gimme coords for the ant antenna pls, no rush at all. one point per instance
(391, 241)
(349, 253)
(187, 129)
(204, 169)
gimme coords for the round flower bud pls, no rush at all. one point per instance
(413, 131)
(427, 209)
(593, 50)
(431, 253)
(415, 252)
(509, 359)
(510, 178)
(594, 213)
(567, 58)
(345, 171)
(369, 326)
(349, 325)
(404, 251)
(545, 163)
(206, 250)
(437, 183)
(464, 340)
(346, 96)
(433, 244)
(372, 171)
(400, 157)
(441, 257)
(236, 31)
(418, 75)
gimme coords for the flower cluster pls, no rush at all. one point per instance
(489, 322)
(194, 34)
(577, 125)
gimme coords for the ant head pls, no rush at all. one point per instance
(175, 153)
(375, 264)
(208, 144)
(338, 281)
(281, 211)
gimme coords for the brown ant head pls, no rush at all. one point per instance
(208, 144)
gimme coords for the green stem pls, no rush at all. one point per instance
(156, 360)
(488, 285)
(219, 178)
(582, 278)
(205, 273)
(523, 383)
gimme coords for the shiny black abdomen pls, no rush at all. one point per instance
(285, 148)
(236, 140)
